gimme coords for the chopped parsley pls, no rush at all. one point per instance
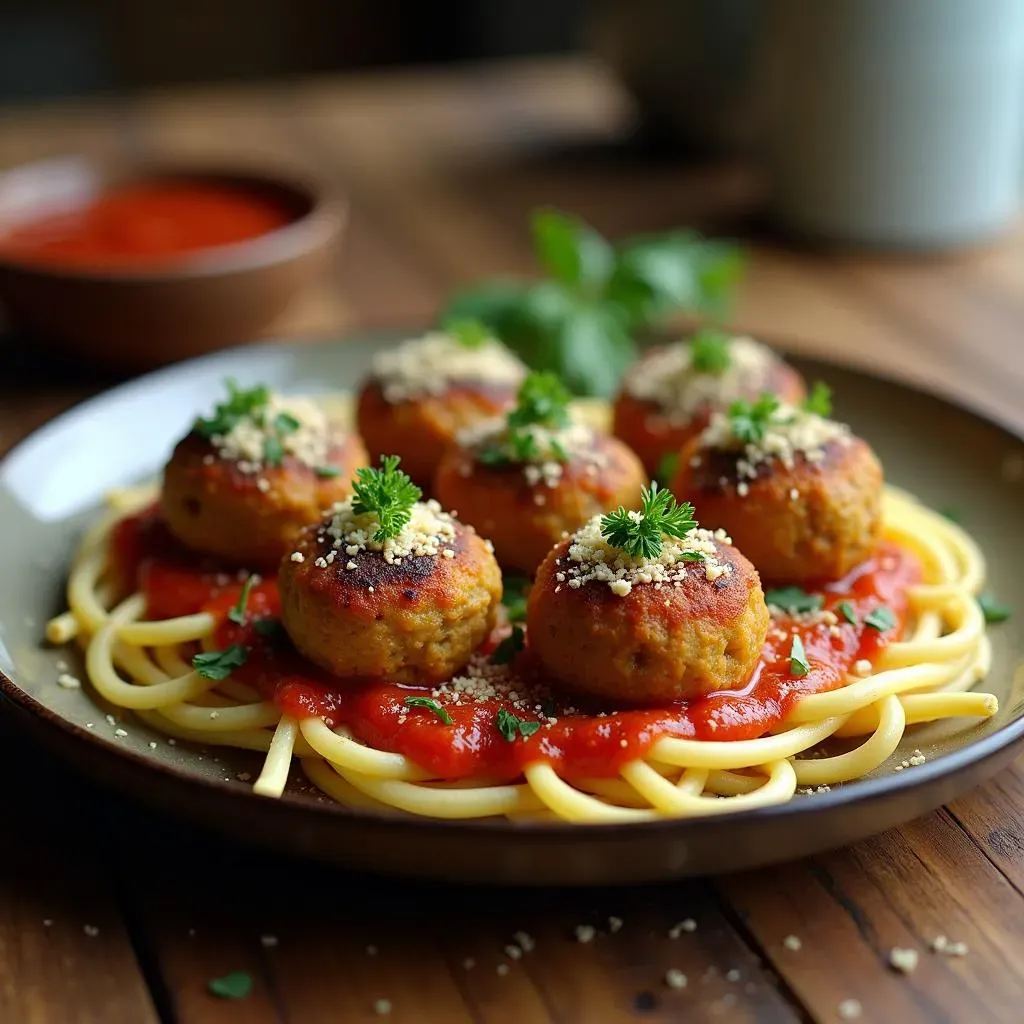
(845, 608)
(709, 351)
(514, 591)
(237, 614)
(667, 467)
(639, 533)
(236, 985)
(240, 404)
(542, 402)
(386, 493)
(511, 725)
(798, 663)
(509, 647)
(273, 450)
(219, 665)
(285, 423)
(327, 472)
(749, 421)
(794, 600)
(467, 331)
(880, 618)
(819, 401)
(993, 610)
(431, 705)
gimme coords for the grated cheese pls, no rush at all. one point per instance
(69, 682)
(791, 432)
(591, 557)
(246, 442)
(668, 378)
(675, 978)
(428, 365)
(428, 532)
(903, 960)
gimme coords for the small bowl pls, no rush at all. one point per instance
(147, 316)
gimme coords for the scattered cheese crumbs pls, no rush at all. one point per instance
(371, 950)
(427, 532)
(526, 942)
(791, 431)
(614, 924)
(940, 944)
(215, 714)
(469, 963)
(152, 744)
(668, 378)
(69, 682)
(917, 758)
(850, 1009)
(298, 556)
(862, 667)
(904, 960)
(308, 441)
(732, 975)
(120, 733)
(792, 943)
(513, 952)
(111, 720)
(591, 557)
(382, 1007)
(584, 933)
(687, 925)
(91, 930)
(263, 485)
(675, 978)
(502, 969)
(427, 365)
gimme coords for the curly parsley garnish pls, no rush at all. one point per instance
(386, 493)
(749, 421)
(819, 401)
(511, 725)
(639, 534)
(709, 352)
(431, 705)
(542, 402)
(240, 404)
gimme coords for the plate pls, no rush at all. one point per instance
(52, 485)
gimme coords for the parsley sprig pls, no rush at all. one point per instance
(749, 421)
(542, 401)
(468, 331)
(639, 534)
(819, 401)
(237, 614)
(218, 665)
(511, 725)
(240, 404)
(582, 319)
(386, 493)
(709, 351)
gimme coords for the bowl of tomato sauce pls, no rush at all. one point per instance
(145, 266)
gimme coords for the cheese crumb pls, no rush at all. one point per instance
(428, 365)
(862, 667)
(903, 960)
(675, 978)
(91, 930)
(526, 942)
(120, 733)
(502, 969)
(940, 944)
(513, 952)
(69, 682)
(428, 531)
(382, 1007)
(298, 556)
(614, 924)
(850, 1009)
(584, 933)
(732, 975)
(792, 943)
(686, 925)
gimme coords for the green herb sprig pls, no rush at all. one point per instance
(798, 664)
(709, 351)
(793, 600)
(468, 331)
(641, 535)
(236, 985)
(219, 665)
(819, 401)
(511, 725)
(431, 705)
(580, 322)
(880, 618)
(237, 614)
(749, 421)
(993, 610)
(240, 404)
(846, 609)
(542, 401)
(386, 493)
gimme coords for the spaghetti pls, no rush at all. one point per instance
(667, 766)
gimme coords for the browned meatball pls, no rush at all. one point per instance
(390, 614)
(815, 518)
(665, 401)
(652, 643)
(525, 509)
(251, 513)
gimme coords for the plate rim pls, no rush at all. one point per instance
(850, 794)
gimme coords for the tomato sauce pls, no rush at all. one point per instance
(147, 224)
(584, 741)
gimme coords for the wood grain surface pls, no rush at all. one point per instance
(109, 914)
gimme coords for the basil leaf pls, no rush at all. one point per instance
(511, 725)
(798, 664)
(285, 423)
(431, 705)
(845, 609)
(236, 985)
(219, 665)
(570, 251)
(881, 618)
(993, 610)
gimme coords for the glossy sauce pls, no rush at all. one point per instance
(579, 744)
(148, 223)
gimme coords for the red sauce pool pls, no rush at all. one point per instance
(147, 224)
(580, 744)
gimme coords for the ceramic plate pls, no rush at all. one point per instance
(52, 485)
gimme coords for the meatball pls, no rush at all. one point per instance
(666, 399)
(409, 611)
(701, 630)
(227, 495)
(812, 513)
(422, 393)
(525, 509)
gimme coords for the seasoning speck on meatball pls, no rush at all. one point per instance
(669, 395)
(248, 478)
(799, 492)
(643, 606)
(389, 587)
(527, 479)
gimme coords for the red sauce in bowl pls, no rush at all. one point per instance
(148, 223)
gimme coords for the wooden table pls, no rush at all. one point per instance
(109, 914)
